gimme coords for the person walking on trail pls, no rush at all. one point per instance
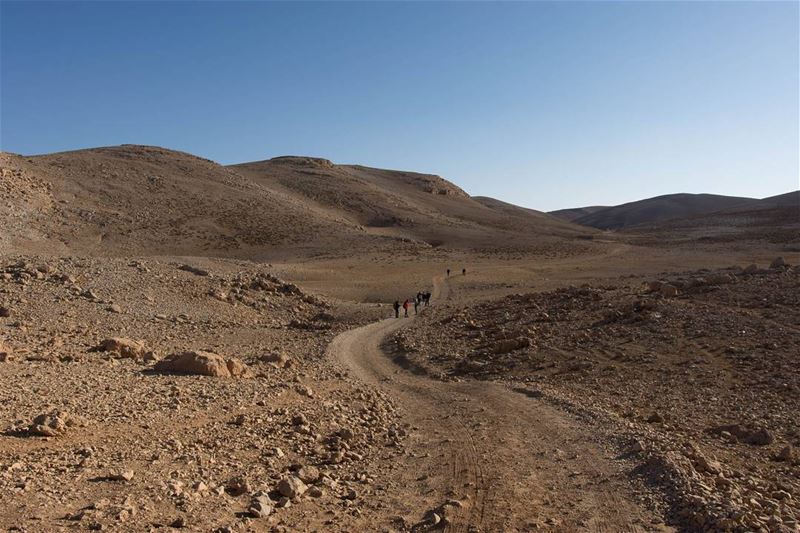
(416, 305)
(448, 272)
(397, 308)
(427, 297)
(463, 271)
(405, 307)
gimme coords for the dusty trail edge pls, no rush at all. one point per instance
(505, 461)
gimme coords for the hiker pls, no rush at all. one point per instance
(397, 308)
(405, 307)
(448, 272)
(416, 305)
(463, 271)
(427, 297)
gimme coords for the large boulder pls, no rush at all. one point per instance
(202, 363)
(778, 262)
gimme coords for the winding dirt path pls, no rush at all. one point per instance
(512, 462)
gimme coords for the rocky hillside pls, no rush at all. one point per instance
(407, 205)
(696, 373)
(134, 200)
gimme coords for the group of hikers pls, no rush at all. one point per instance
(422, 298)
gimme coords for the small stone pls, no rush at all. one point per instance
(237, 486)
(125, 475)
(668, 291)
(260, 506)
(292, 487)
(786, 454)
(778, 262)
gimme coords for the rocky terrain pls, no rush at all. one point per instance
(185, 345)
(99, 433)
(694, 374)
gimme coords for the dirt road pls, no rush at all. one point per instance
(504, 461)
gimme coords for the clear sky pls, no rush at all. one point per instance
(547, 105)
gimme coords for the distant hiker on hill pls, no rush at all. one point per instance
(416, 305)
(426, 296)
(397, 308)
(405, 307)
(463, 271)
(448, 272)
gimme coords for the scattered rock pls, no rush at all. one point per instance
(5, 353)
(668, 291)
(53, 424)
(125, 475)
(778, 262)
(202, 363)
(308, 474)
(786, 454)
(277, 358)
(755, 436)
(291, 487)
(237, 486)
(509, 345)
(260, 506)
(124, 347)
(194, 270)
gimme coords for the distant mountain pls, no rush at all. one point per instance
(660, 208)
(775, 219)
(574, 213)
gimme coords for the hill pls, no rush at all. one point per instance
(576, 212)
(144, 200)
(660, 208)
(407, 205)
(775, 220)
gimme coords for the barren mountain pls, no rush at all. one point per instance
(775, 220)
(130, 200)
(407, 205)
(660, 208)
(146, 200)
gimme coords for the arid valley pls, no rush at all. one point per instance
(197, 347)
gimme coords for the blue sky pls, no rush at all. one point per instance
(547, 105)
